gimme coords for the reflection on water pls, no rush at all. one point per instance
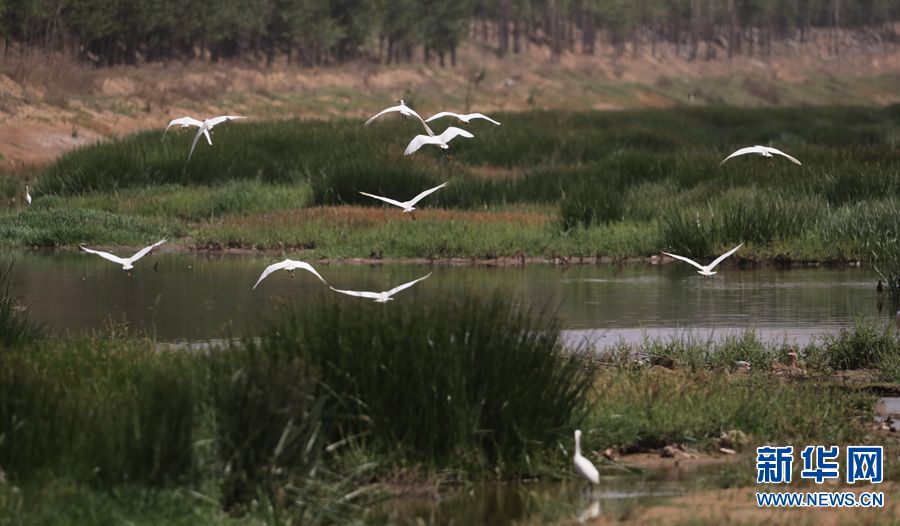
(201, 296)
(546, 502)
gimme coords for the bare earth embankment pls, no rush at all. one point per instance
(51, 106)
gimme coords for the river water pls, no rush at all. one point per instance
(197, 296)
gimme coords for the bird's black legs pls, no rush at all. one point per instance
(412, 215)
(292, 272)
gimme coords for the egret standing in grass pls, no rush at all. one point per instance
(127, 263)
(380, 297)
(466, 118)
(706, 270)
(289, 265)
(582, 465)
(407, 206)
(765, 151)
(27, 196)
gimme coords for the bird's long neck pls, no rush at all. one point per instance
(578, 445)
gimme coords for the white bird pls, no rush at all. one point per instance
(289, 265)
(404, 110)
(184, 122)
(27, 195)
(440, 140)
(462, 117)
(407, 206)
(897, 321)
(127, 263)
(203, 127)
(380, 297)
(583, 465)
(765, 151)
(708, 269)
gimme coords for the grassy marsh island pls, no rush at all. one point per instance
(542, 185)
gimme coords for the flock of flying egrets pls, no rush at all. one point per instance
(441, 140)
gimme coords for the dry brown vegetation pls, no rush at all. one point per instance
(51, 105)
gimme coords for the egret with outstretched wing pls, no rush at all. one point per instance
(127, 263)
(404, 110)
(441, 140)
(289, 265)
(466, 118)
(380, 297)
(407, 206)
(765, 151)
(706, 270)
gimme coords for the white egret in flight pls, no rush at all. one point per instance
(466, 118)
(380, 297)
(127, 263)
(203, 127)
(407, 206)
(765, 151)
(439, 140)
(582, 465)
(185, 122)
(404, 110)
(708, 269)
(289, 265)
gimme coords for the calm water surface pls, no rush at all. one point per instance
(196, 297)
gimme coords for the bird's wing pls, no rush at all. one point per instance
(441, 115)
(419, 197)
(143, 252)
(305, 266)
(270, 269)
(222, 118)
(419, 141)
(779, 152)
(406, 285)
(184, 121)
(723, 256)
(194, 144)
(358, 293)
(428, 130)
(743, 151)
(382, 112)
(686, 260)
(105, 255)
(386, 200)
(452, 132)
(481, 116)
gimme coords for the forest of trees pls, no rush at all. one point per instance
(312, 32)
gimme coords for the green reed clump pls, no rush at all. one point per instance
(47, 225)
(696, 355)
(15, 326)
(645, 409)
(100, 410)
(270, 410)
(866, 345)
(469, 383)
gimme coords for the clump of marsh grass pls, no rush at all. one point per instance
(15, 326)
(98, 409)
(471, 383)
(645, 409)
(865, 345)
